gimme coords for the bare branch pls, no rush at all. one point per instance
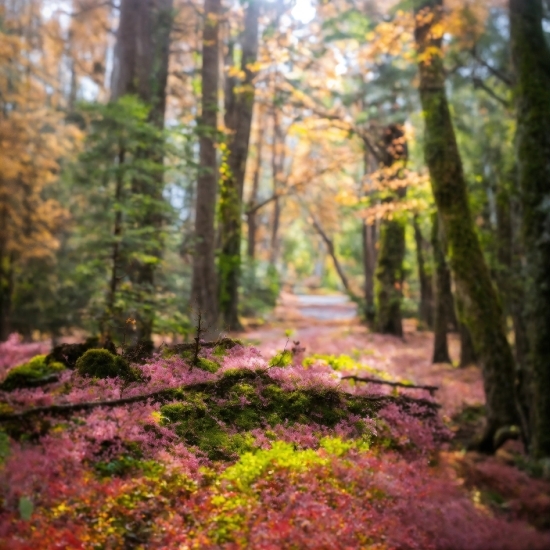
(431, 389)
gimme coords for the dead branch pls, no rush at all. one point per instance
(431, 389)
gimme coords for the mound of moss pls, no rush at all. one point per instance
(219, 417)
(37, 372)
(101, 363)
(68, 354)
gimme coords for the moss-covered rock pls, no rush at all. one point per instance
(68, 354)
(101, 363)
(37, 372)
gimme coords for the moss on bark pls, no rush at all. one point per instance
(482, 310)
(389, 277)
(441, 280)
(531, 58)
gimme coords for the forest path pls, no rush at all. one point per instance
(329, 324)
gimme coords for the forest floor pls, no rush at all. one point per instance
(265, 449)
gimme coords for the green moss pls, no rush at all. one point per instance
(282, 359)
(34, 373)
(218, 420)
(208, 365)
(101, 363)
(126, 465)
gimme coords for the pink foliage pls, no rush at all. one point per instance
(13, 352)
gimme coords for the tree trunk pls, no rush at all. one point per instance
(426, 287)
(389, 277)
(204, 287)
(467, 351)
(369, 236)
(389, 269)
(482, 311)
(369, 268)
(442, 283)
(141, 68)
(531, 58)
(238, 120)
(251, 211)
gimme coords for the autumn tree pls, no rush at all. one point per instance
(482, 312)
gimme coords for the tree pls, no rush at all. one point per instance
(204, 296)
(482, 312)
(238, 120)
(389, 270)
(442, 284)
(141, 68)
(531, 57)
(426, 286)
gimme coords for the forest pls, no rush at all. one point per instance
(275, 274)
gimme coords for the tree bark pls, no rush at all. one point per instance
(482, 311)
(238, 120)
(442, 282)
(389, 270)
(369, 236)
(251, 213)
(531, 57)
(389, 278)
(141, 68)
(204, 284)
(426, 287)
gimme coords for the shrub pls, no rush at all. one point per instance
(36, 372)
(101, 363)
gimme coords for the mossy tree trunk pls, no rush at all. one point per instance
(442, 284)
(389, 270)
(204, 297)
(238, 120)
(482, 311)
(426, 309)
(389, 277)
(531, 58)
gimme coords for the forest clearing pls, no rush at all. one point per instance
(275, 274)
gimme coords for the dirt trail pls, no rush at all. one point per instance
(329, 324)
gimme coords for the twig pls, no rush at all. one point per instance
(431, 389)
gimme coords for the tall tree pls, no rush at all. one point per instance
(531, 58)
(426, 286)
(141, 68)
(482, 310)
(204, 295)
(389, 269)
(238, 120)
(442, 284)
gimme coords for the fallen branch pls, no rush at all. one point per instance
(431, 389)
(65, 408)
(226, 343)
